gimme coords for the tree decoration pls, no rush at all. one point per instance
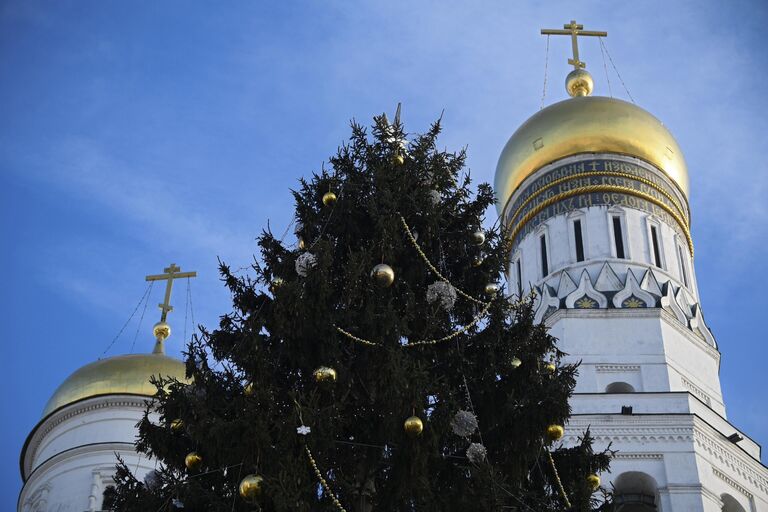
(443, 294)
(413, 426)
(435, 197)
(193, 461)
(302, 244)
(478, 237)
(324, 374)
(177, 425)
(304, 263)
(491, 289)
(515, 363)
(398, 158)
(383, 275)
(248, 390)
(250, 488)
(476, 453)
(593, 482)
(275, 284)
(550, 368)
(329, 198)
(477, 260)
(555, 432)
(464, 423)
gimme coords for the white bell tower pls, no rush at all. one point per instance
(594, 195)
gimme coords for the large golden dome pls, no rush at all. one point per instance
(587, 124)
(128, 374)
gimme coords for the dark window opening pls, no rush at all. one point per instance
(579, 240)
(655, 242)
(544, 266)
(519, 279)
(618, 238)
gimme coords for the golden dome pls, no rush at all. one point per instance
(128, 374)
(587, 124)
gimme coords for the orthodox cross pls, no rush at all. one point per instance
(171, 273)
(574, 30)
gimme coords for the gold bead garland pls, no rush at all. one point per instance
(435, 341)
(557, 480)
(322, 480)
(431, 267)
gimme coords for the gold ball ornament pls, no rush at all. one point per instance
(491, 289)
(383, 275)
(325, 375)
(249, 389)
(593, 482)
(550, 368)
(477, 261)
(193, 461)
(302, 244)
(177, 425)
(275, 284)
(413, 426)
(398, 159)
(329, 198)
(250, 488)
(478, 237)
(515, 363)
(555, 432)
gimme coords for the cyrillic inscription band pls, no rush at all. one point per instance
(596, 183)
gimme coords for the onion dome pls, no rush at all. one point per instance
(119, 375)
(587, 124)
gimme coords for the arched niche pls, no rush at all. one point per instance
(634, 491)
(730, 504)
(619, 387)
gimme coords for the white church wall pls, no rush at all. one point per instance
(69, 481)
(70, 444)
(103, 425)
(694, 365)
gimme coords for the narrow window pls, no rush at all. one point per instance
(618, 239)
(683, 271)
(544, 266)
(519, 279)
(655, 242)
(579, 240)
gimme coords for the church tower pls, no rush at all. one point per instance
(593, 192)
(68, 459)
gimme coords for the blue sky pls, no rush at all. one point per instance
(137, 134)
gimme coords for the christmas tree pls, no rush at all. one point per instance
(375, 365)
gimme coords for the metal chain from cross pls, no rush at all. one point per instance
(574, 30)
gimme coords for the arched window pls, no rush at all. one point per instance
(634, 492)
(619, 387)
(730, 504)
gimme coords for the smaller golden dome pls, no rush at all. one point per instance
(120, 375)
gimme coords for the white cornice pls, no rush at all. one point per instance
(48, 423)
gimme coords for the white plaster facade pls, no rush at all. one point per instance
(657, 358)
(69, 458)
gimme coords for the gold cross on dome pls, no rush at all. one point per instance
(171, 273)
(574, 30)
